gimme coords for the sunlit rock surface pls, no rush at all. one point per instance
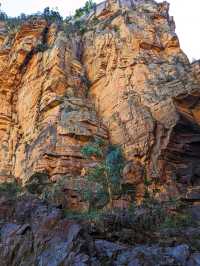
(125, 79)
(137, 70)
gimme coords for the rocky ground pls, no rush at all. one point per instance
(33, 232)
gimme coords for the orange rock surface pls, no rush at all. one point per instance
(125, 79)
(45, 115)
(137, 69)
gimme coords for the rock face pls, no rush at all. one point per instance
(125, 79)
(45, 115)
(138, 72)
(122, 78)
(40, 236)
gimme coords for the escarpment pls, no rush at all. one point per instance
(99, 140)
(48, 117)
(124, 79)
(137, 72)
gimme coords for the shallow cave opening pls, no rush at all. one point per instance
(183, 151)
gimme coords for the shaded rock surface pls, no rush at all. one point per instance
(34, 233)
(37, 234)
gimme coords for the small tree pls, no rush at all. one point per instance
(51, 15)
(106, 175)
(3, 15)
(89, 5)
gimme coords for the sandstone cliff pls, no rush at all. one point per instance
(117, 75)
(125, 79)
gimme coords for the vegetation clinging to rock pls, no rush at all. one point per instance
(10, 188)
(89, 5)
(105, 179)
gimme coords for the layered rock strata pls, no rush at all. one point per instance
(137, 71)
(125, 79)
(45, 115)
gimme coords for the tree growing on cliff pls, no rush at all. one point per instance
(106, 175)
(51, 15)
(89, 5)
(3, 15)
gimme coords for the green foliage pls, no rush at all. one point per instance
(13, 23)
(177, 220)
(164, 215)
(89, 5)
(91, 216)
(106, 175)
(91, 150)
(10, 188)
(3, 16)
(37, 183)
(80, 26)
(51, 15)
(42, 47)
(70, 25)
(152, 216)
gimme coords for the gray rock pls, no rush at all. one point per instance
(180, 253)
(194, 260)
(195, 212)
(108, 248)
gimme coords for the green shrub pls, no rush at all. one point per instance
(94, 148)
(106, 176)
(10, 188)
(37, 183)
(42, 47)
(89, 6)
(177, 220)
(91, 150)
(91, 216)
(79, 26)
(51, 15)
(13, 23)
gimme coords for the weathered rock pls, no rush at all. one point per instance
(125, 79)
(37, 234)
(45, 114)
(137, 69)
(196, 69)
(194, 260)
(195, 211)
(154, 255)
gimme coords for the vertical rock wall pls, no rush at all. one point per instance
(45, 115)
(137, 69)
(127, 67)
